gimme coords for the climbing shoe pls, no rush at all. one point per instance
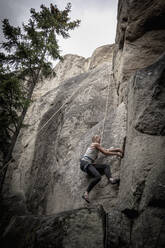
(85, 197)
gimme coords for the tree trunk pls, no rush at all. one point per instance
(13, 140)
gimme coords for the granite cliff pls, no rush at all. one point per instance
(44, 184)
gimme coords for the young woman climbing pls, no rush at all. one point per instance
(95, 170)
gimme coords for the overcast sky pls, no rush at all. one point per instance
(97, 28)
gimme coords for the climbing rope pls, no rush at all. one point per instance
(106, 109)
(105, 115)
(45, 124)
(68, 100)
(48, 121)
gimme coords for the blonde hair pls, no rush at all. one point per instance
(94, 138)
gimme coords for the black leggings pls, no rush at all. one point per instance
(96, 170)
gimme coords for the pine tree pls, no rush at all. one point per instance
(25, 60)
(12, 101)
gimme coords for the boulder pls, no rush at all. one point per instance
(11, 205)
(76, 228)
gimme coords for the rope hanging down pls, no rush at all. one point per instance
(106, 108)
(67, 100)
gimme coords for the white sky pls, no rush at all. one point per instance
(97, 28)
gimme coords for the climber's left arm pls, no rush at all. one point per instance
(116, 153)
(115, 150)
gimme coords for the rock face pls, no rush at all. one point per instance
(141, 199)
(67, 111)
(100, 55)
(139, 69)
(10, 206)
(71, 229)
(139, 38)
(47, 170)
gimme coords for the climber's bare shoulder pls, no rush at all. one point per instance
(100, 148)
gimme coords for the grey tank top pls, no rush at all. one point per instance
(91, 152)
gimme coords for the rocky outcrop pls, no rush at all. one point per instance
(71, 229)
(100, 55)
(51, 175)
(141, 199)
(145, 135)
(139, 69)
(139, 38)
(47, 169)
(73, 65)
(12, 205)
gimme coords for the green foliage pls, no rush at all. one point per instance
(12, 101)
(30, 49)
(25, 59)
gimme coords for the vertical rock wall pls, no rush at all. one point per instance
(139, 38)
(139, 73)
(47, 169)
